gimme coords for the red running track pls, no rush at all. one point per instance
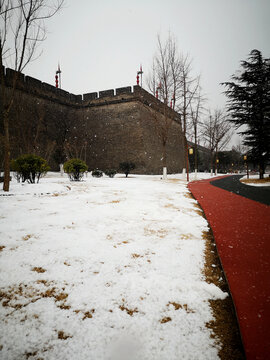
(241, 229)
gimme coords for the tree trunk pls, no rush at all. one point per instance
(195, 153)
(261, 169)
(216, 157)
(6, 154)
(211, 162)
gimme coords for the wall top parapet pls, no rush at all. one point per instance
(123, 94)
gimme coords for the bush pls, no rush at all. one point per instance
(126, 167)
(75, 169)
(110, 172)
(29, 168)
(97, 173)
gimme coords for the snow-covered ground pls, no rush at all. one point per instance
(256, 177)
(104, 269)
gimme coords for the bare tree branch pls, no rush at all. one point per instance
(217, 132)
(22, 28)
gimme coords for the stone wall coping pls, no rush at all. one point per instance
(103, 97)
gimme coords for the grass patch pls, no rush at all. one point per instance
(130, 312)
(180, 306)
(224, 327)
(88, 314)
(27, 237)
(165, 320)
(171, 206)
(161, 233)
(38, 269)
(136, 256)
(63, 336)
(12, 296)
(256, 181)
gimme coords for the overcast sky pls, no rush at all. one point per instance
(100, 44)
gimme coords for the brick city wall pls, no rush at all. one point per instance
(104, 128)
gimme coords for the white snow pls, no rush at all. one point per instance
(117, 255)
(256, 177)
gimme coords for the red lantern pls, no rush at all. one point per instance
(138, 79)
(56, 81)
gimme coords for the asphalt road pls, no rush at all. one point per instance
(233, 184)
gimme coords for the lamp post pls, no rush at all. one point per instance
(139, 73)
(216, 170)
(245, 159)
(190, 152)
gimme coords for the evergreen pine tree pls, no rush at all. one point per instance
(249, 105)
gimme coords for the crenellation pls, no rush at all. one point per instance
(32, 82)
(48, 88)
(106, 93)
(123, 90)
(11, 74)
(90, 96)
(88, 99)
(63, 93)
(78, 98)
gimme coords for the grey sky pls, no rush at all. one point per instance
(100, 44)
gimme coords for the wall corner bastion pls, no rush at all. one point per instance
(114, 121)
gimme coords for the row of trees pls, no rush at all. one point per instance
(248, 106)
(172, 81)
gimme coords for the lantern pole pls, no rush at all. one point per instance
(58, 74)
(56, 80)
(245, 159)
(139, 73)
(189, 151)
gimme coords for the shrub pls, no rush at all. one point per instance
(97, 173)
(75, 169)
(29, 168)
(110, 172)
(126, 167)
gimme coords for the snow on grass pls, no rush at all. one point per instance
(104, 269)
(254, 180)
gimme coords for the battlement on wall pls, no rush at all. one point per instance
(39, 88)
(35, 86)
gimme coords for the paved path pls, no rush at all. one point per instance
(241, 229)
(232, 183)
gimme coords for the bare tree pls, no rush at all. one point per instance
(196, 111)
(217, 133)
(189, 89)
(165, 79)
(22, 30)
(171, 79)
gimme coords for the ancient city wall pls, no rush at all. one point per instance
(103, 128)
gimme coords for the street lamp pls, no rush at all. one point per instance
(245, 159)
(190, 152)
(217, 161)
